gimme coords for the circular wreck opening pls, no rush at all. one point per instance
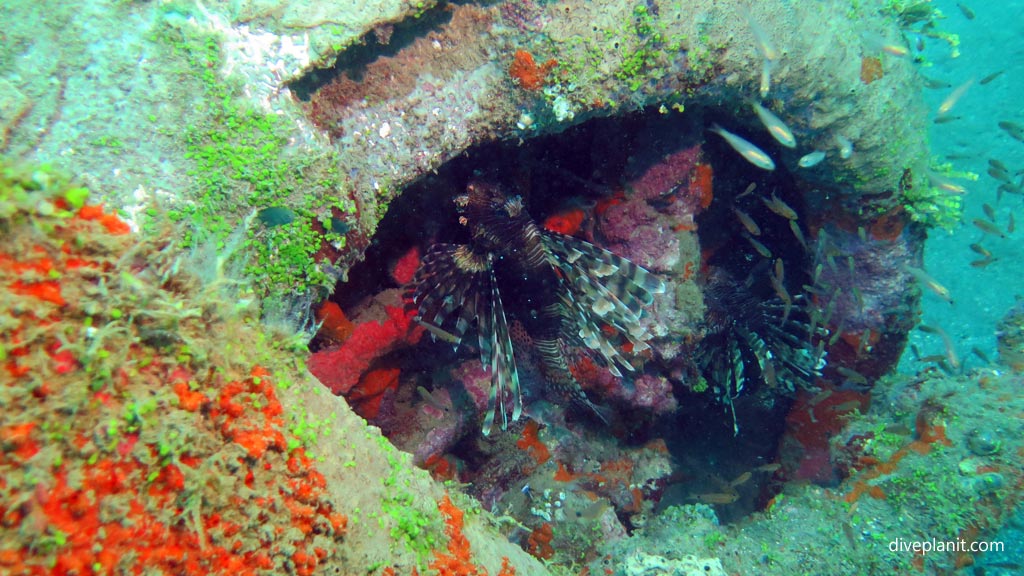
(732, 392)
(587, 304)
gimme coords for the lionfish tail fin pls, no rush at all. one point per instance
(603, 289)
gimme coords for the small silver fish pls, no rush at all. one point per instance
(945, 184)
(954, 97)
(965, 10)
(760, 248)
(766, 78)
(748, 150)
(1000, 175)
(811, 159)
(876, 41)
(998, 165)
(988, 227)
(776, 127)
(951, 356)
(748, 191)
(747, 222)
(778, 206)
(795, 228)
(928, 282)
(979, 249)
(990, 77)
(1016, 131)
(761, 40)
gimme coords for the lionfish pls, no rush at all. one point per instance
(752, 341)
(565, 290)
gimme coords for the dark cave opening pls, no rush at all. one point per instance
(576, 169)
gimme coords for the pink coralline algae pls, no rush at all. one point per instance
(647, 392)
(633, 232)
(430, 428)
(673, 171)
(475, 380)
(525, 15)
(664, 199)
(654, 393)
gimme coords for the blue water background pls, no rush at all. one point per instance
(993, 41)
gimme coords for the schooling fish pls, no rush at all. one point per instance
(988, 227)
(930, 283)
(761, 40)
(776, 127)
(845, 146)
(1016, 131)
(875, 41)
(778, 206)
(811, 159)
(752, 153)
(563, 290)
(747, 222)
(990, 77)
(954, 97)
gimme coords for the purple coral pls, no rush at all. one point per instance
(524, 15)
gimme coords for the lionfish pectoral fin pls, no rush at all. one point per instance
(603, 289)
(497, 356)
(454, 287)
(446, 290)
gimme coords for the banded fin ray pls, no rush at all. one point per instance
(454, 287)
(447, 289)
(502, 363)
(602, 288)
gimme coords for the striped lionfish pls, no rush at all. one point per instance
(563, 289)
(754, 341)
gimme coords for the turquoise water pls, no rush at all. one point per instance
(993, 41)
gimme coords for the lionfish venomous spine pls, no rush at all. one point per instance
(563, 289)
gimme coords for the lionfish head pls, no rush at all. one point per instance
(484, 200)
(752, 341)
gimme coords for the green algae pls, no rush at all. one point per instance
(240, 162)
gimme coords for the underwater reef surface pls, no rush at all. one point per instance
(323, 145)
(151, 423)
(151, 420)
